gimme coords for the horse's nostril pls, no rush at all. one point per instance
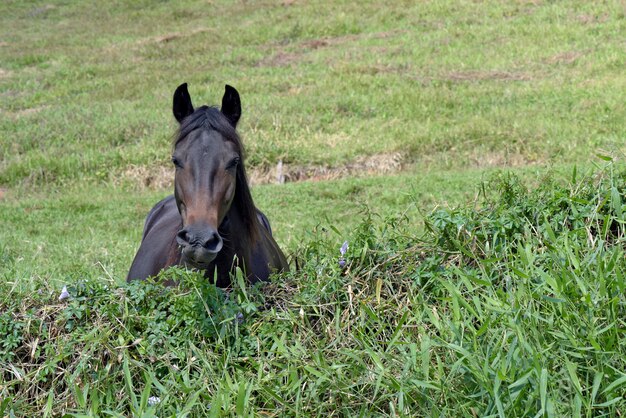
(214, 243)
(209, 240)
(183, 237)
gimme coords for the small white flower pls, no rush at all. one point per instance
(153, 400)
(64, 294)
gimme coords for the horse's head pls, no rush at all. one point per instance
(207, 156)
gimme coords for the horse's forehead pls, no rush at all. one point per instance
(204, 141)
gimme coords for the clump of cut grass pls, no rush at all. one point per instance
(512, 307)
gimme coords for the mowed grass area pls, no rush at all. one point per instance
(466, 292)
(86, 230)
(86, 88)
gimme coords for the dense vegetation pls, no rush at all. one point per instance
(512, 309)
(469, 153)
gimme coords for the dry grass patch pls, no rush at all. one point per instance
(486, 159)
(368, 165)
(173, 36)
(280, 59)
(587, 19)
(568, 57)
(489, 75)
(158, 177)
(25, 112)
(149, 177)
(283, 56)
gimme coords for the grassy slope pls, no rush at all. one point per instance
(103, 227)
(523, 82)
(516, 309)
(455, 87)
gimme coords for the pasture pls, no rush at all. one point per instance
(470, 153)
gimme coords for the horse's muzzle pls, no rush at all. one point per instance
(200, 245)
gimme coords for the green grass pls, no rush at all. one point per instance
(93, 230)
(86, 90)
(485, 279)
(514, 307)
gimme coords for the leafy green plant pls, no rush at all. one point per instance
(510, 307)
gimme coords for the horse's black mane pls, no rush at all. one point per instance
(211, 118)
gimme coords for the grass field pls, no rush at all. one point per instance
(471, 153)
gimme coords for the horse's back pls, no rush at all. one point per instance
(158, 248)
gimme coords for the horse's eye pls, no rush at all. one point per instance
(176, 162)
(233, 163)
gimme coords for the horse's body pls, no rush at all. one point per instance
(210, 223)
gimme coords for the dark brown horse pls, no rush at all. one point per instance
(210, 223)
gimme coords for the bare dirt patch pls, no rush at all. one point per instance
(587, 19)
(453, 76)
(340, 40)
(288, 173)
(30, 111)
(175, 35)
(482, 159)
(162, 177)
(287, 54)
(316, 43)
(5, 73)
(151, 177)
(25, 112)
(280, 59)
(496, 75)
(568, 57)
(159, 39)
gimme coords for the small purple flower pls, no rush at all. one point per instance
(64, 294)
(344, 248)
(239, 318)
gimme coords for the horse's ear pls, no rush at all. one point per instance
(231, 105)
(182, 103)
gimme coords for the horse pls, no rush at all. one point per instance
(210, 223)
